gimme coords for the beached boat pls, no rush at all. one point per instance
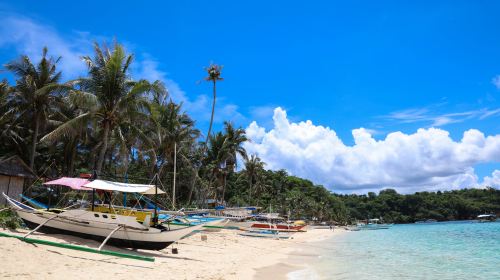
(114, 229)
(285, 227)
(485, 218)
(266, 234)
(373, 224)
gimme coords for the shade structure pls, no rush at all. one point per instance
(73, 183)
(152, 191)
(121, 187)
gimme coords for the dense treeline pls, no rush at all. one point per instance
(127, 129)
(442, 206)
(130, 130)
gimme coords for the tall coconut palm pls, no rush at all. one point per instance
(254, 168)
(36, 88)
(109, 95)
(214, 72)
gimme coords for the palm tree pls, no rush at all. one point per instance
(35, 92)
(68, 146)
(111, 98)
(215, 160)
(254, 168)
(172, 132)
(10, 127)
(233, 146)
(213, 75)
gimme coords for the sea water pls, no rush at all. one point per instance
(447, 250)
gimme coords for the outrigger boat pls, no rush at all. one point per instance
(485, 218)
(170, 218)
(373, 224)
(266, 234)
(110, 228)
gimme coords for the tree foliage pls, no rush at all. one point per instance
(129, 130)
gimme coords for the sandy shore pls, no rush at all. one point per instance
(301, 252)
(224, 255)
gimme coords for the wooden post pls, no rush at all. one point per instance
(155, 219)
(94, 176)
(175, 171)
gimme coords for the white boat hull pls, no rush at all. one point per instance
(95, 226)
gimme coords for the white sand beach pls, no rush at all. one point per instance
(224, 255)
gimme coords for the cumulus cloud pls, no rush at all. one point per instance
(493, 181)
(28, 37)
(427, 159)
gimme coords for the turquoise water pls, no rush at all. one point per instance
(451, 250)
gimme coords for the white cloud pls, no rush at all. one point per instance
(29, 37)
(493, 181)
(426, 114)
(496, 81)
(426, 160)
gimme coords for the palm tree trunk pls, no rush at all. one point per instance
(191, 190)
(212, 116)
(250, 190)
(72, 158)
(35, 139)
(104, 147)
(224, 189)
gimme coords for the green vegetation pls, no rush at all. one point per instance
(442, 206)
(9, 219)
(126, 129)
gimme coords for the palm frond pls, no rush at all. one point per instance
(68, 128)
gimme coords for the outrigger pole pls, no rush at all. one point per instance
(79, 248)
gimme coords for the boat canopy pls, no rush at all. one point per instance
(73, 183)
(122, 187)
(86, 185)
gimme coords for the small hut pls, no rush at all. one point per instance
(13, 172)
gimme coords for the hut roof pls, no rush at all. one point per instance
(15, 166)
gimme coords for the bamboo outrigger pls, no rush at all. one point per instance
(79, 248)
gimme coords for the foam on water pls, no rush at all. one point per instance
(452, 250)
(306, 273)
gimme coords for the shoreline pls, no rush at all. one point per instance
(297, 264)
(223, 255)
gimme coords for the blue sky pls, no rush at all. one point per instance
(386, 66)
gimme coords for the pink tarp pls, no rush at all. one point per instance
(73, 183)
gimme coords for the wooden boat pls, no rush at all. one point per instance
(266, 234)
(111, 228)
(279, 227)
(485, 218)
(373, 224)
